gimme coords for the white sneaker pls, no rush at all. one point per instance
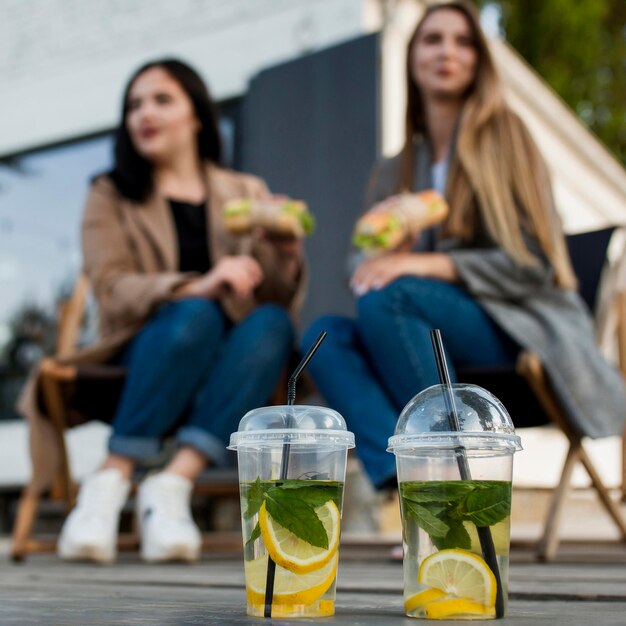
(90, 530)
(168, 532)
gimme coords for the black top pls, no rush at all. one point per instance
(193, 237)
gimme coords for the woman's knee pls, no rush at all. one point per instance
(374, 308)
(191, 323)
(405, 294)
(273, 331)
(339, 330)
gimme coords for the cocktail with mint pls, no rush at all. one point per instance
(291, 525)
(455, 501)
(296, 523)
(446, 574)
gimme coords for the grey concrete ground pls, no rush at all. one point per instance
(587, 587)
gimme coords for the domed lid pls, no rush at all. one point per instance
(484, 425)
(293, 424)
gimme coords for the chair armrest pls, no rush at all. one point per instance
(71, 314)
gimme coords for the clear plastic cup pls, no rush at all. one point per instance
(292, 466)
(455, 501)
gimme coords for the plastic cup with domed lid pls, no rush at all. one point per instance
(454, 447)
(292, 466)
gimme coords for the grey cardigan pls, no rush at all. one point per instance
(525, 303)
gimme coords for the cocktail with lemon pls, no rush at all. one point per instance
(445, 573)
(455, 530)
(296, 524)
(291, 526)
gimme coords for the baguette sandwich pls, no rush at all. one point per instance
(382, 231)
(277, 215)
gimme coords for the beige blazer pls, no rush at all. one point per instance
(130, 253)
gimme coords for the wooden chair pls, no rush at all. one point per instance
(72, 395)
(526, 391)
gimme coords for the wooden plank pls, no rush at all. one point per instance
(576, 580)
(118, 604)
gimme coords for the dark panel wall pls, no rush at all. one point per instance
(310, 129)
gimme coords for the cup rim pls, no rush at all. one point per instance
(339, 438)
(471, 441)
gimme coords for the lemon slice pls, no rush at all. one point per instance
(457, 607)
(500, 533)
(422, 597)
(293, 553)
(459, 573)
(289, 588)
(323, 608)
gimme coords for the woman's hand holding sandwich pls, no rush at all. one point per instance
(390, 224)
(239, 275)
(286, 245)
(378, 272)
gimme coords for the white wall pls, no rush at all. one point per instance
(63, 63)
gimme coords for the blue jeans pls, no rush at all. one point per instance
(369, 368)
(193, 374)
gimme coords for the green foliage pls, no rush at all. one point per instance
(579, 48)
(31, 336)
(293, 504)
(296, 515)
(441, 508)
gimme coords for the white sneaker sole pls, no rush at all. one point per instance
(175, 552)
(98, 554)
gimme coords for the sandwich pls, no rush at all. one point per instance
(277, 215)
(384, 230)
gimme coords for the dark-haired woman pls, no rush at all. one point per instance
(200, 319)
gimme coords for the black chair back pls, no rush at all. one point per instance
(588, 254)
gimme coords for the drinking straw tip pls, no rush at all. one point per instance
(291, 384)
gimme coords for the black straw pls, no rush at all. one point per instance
(484, 534)
(293, 379)
(284, 460)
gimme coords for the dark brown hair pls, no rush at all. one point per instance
(132, 173)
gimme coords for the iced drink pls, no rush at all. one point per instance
(455, 531)
(291, 525)
(445, 573)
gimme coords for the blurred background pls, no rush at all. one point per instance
(311, 94)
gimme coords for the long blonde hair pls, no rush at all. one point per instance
(498, 177)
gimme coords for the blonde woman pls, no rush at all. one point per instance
(495, 277)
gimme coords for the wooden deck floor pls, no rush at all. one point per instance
(587, 586)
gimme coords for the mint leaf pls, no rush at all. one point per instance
(488, 505)
(436, 505)
(436, 508)
(315, 496)
(439, 491)
(254, 498)
(297, 516)
(427, 521)
(294, 483)
(457, 537)
(423, 497)
(256, 533)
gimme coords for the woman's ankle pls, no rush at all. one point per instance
(123, 464)
(187, 462)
